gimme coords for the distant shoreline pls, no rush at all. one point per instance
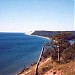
(39, 36)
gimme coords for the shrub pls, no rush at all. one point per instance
(68, 54)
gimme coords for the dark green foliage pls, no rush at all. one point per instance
(47, 53)
(61, 35)
(69, 53)
(54, 55)
(66, 50)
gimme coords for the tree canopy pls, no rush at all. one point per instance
(60, 41)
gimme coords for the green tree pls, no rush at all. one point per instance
(69, 53)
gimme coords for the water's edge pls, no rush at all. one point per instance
(40, 51)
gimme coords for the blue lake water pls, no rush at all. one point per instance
(18, 50)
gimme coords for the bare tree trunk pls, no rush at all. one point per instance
(58, 55)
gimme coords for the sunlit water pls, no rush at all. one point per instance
(18, 50)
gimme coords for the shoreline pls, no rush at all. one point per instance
(39, 36)
(35, 36)
(36, 61)
(42, 37)
(26, 68)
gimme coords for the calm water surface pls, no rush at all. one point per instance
(18, 50)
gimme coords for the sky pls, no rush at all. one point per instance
(74, 14)
(31, 15)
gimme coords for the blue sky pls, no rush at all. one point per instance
(30, 15)
(74, 14)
